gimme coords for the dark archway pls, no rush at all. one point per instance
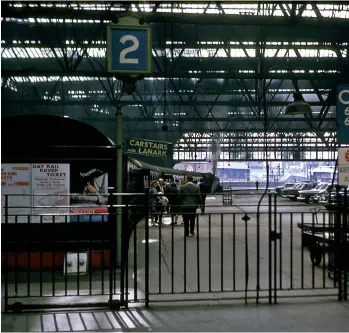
(48, 130)
(29, 137)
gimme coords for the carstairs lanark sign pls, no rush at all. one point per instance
(149, 148)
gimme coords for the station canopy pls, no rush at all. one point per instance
(222, 73)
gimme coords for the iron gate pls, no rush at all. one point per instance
(235, 254)
(239, 254)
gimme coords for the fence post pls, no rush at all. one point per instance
(146, 278)
(337, 273)
(113, 258)
(275, 247)
(6, 256)
(345, 245)
(270, 257)
(126, 233)
(112, 245)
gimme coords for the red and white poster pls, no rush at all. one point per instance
(50, 189)
(43, 192)
(89, 191)
(15, 186)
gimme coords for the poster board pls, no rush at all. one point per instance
(89, 191)
(50, 185)
(59, 193)
(15, 183)
(33, 190)
(343, 166)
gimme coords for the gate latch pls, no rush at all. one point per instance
(275, 235)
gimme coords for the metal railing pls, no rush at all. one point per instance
(78, 260)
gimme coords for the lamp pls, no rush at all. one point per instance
(298, 106)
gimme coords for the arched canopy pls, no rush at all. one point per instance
(51, 138)
(48, 130)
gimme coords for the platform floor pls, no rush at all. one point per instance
(307, 314)
(322, 315)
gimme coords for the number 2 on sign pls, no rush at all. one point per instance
(132, 48)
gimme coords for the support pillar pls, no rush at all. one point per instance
(119, 182)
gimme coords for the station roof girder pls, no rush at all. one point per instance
(188, 35)
(243, 18)
(231, 65)
(215, 93)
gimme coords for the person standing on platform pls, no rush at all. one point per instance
(203, 191)
(154, 203)
(164, 203)
(190, 199)
(174, 200)
(161, 187)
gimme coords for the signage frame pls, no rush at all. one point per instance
(140, 34)
(135, 151)
(342, 114)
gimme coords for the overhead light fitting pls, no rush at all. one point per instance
(298, 106)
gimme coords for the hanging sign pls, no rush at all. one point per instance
(149, 148)
(342, 113)
(129, 47)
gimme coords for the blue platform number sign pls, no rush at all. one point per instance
(129, 49)
(342, 113)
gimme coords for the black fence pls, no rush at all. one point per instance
(242, 254)
(60, 256)
(119, 256)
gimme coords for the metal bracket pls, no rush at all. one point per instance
(245, 218)
(274, 235)
(129, 84)
(116, 304)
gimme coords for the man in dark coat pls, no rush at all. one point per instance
(203, 192)
(190, 199)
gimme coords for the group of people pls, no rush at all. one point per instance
(184, 200)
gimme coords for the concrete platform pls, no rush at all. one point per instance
(317, 315)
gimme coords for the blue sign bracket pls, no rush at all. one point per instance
(129, 49)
